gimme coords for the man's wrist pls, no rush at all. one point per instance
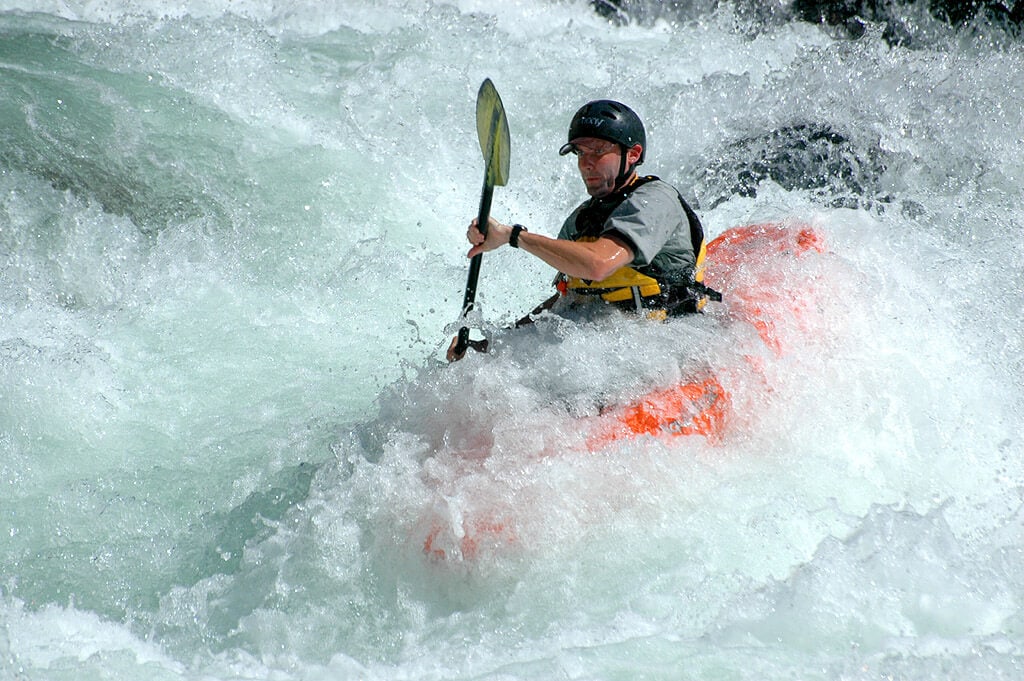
(513, 236)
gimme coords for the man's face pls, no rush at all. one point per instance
(598, 161)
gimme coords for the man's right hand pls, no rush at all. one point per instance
(497, 235)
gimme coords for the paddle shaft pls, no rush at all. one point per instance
(492, 130)
(474, 264)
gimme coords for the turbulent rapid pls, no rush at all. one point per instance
(232, 254)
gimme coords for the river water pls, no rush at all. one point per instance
(231, 254)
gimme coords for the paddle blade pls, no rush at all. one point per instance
(492, 128)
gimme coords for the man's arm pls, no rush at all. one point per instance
(591, 260)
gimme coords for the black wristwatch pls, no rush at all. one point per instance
(513, 237)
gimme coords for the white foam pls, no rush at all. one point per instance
(872, 490)
(52, 637)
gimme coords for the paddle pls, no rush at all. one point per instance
(492, 129)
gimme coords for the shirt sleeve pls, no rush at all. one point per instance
(568, 230)
(647, 219)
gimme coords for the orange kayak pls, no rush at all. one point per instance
(702, 405)
(749, 266)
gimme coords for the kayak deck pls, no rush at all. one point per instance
(747, 264)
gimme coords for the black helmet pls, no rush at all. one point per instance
(607, 120)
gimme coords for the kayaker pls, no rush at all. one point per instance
(635, 243)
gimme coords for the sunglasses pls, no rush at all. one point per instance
(593, 149)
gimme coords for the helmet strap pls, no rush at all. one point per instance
(624, 172)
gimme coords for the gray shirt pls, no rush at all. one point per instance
(652, 221)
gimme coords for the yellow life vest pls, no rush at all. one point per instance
(628, 284)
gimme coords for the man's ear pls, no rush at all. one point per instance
(633, 154)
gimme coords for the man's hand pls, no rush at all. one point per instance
(478, 345)
(453, 356)
(497, 235)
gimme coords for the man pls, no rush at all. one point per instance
(635, 243)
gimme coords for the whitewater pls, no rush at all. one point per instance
(232, 254)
